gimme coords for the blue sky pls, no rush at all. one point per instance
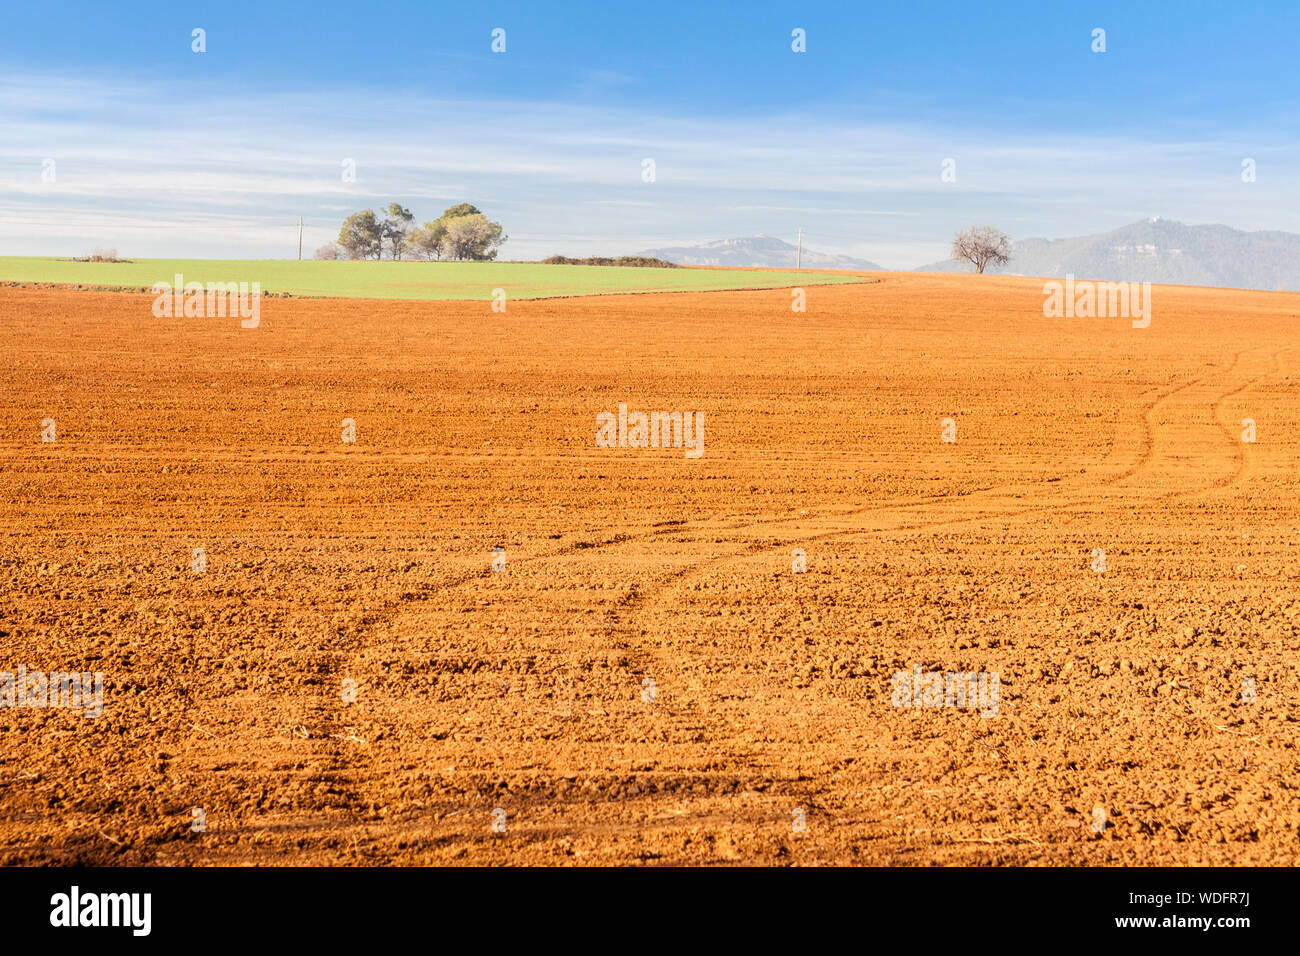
(162, 151)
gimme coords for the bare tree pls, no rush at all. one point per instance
(980, 245)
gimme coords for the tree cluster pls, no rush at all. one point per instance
(462, 232)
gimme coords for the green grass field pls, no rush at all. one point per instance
(405, 280)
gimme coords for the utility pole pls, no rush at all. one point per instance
(798, 262)
(300, 238)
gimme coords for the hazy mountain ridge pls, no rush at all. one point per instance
(1159, 250)
(756, 252)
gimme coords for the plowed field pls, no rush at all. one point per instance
(648, 679)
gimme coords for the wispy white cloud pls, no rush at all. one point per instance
(161, 172)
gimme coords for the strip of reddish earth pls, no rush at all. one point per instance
(649, 680)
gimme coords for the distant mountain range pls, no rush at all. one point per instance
(1152, 250)
(1159, 250)
(755, 251)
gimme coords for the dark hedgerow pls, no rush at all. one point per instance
(641, 261)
